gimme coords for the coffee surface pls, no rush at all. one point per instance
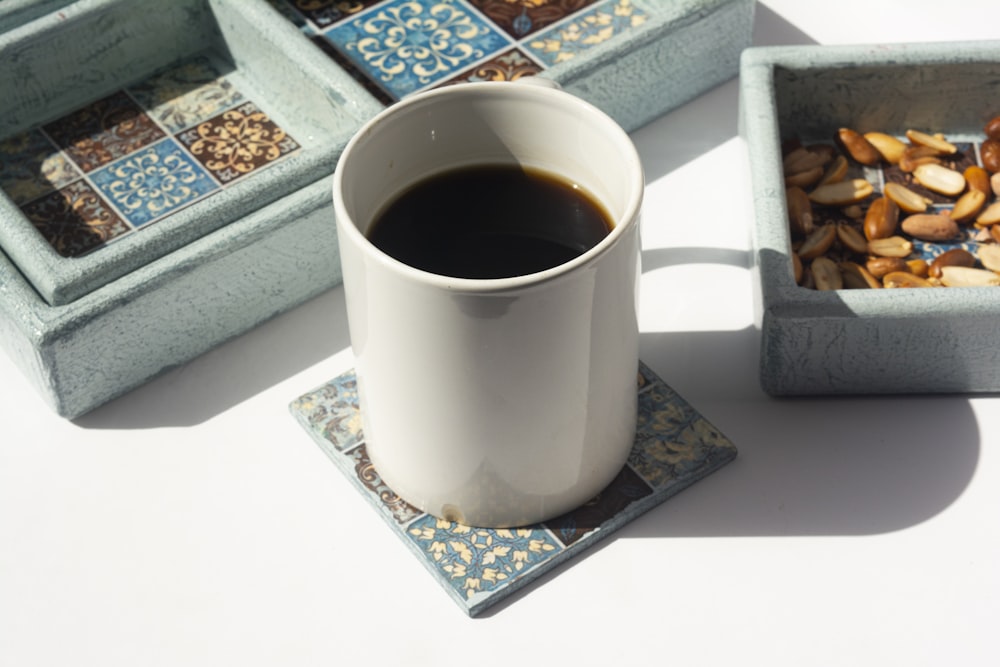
(490, 222)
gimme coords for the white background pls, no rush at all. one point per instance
(193, 522)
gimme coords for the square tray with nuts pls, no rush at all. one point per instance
(874, 168)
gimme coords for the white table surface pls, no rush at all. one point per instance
(193, 522)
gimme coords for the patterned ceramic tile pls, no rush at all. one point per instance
(74, 219)
(373, 88)
(237, 142)
(398, 47)
(476, 561)
(31, 166)
(103, 131)
(149, 184)
(406, 45)
(520, 18)
(508, 66)
(324, 13)
(584, 31)
(186, 95)
(120, 147)
(478, 567)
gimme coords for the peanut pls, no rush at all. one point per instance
(826, 274)
(914, 156)
(899, 279)
(931, 141)
(800, 213)
(882, 266)
(843, 193)
(963, 276)
(930, 227)
(989, 152)
(881, 219)
(940, 179)
(968, 205)
(906, 199)
(992, 128)
(953, 257)
(856, 276)
(818, 242)
(887, 145)
(989, 256)
(858, 147)
(990, 215)
(893, 246)
(977, 178)
(852, 239)
(836, 171)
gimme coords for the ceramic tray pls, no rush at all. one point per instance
(164, 175)
(867, 341)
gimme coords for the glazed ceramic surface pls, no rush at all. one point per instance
(494, 402)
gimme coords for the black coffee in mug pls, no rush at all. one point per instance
(496, 221)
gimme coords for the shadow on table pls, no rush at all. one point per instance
(233, 372)
(807, 466)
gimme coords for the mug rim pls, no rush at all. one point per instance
(628, 220)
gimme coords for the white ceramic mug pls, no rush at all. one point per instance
(506, 401)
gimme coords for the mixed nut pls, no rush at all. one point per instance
(847, 235)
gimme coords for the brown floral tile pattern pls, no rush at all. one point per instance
(400, 510)
(523, 17)
(31, 166)
(103, 131)
(75, 219)
(327, 12)
(237, 142)
(187, 94)
(626, 488)
(508, 66)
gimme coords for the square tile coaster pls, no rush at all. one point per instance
(478, 567)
